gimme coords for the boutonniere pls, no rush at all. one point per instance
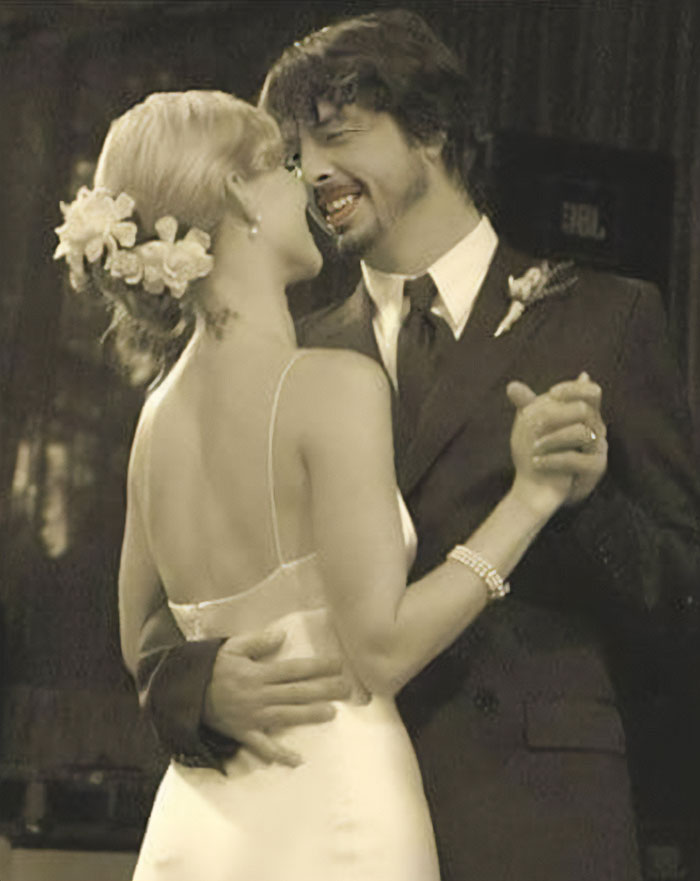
(544, 280)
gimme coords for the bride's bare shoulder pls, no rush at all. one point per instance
(339, 372)
(332, 386)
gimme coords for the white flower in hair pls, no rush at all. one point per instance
(171, 264)
(127, 265)
(187, 259)
(93, 222)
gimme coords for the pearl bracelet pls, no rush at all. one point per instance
(496, 587)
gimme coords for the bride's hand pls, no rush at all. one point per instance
(587, 461)
(558, 443)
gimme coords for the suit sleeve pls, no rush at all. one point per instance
(171, 677)
(640, 526)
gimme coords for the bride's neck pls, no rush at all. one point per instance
(245, 291)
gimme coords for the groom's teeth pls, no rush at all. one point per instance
(337, 204)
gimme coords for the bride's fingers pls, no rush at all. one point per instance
(571, 462)
(581, 389)
(546, 415)
(270, 751)
(578, 436)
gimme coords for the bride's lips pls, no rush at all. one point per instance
(338, 203)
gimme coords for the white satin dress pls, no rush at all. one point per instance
(354, 810)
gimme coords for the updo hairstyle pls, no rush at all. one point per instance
(171, 153)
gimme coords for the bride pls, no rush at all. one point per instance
(261, 490)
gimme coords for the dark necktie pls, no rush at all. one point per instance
(424, 339)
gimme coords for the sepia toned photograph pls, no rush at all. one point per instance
(349, 440)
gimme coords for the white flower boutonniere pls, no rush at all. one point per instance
(544, 280)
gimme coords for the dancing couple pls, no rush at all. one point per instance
(465, 409)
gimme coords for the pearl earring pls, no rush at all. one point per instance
(254, 227)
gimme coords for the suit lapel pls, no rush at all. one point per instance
(348, 326)
(476, 364)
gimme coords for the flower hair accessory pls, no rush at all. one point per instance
(95, 222)
(164, 262)
(544, 280)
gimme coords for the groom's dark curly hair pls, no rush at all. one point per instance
(387, 61)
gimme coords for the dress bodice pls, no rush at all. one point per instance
(294, 586)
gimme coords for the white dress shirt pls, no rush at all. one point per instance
(458, 275)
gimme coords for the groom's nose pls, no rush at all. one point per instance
(316, 167)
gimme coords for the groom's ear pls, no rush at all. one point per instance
(434, 145)
(238, 197)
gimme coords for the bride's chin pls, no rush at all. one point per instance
(307, 269)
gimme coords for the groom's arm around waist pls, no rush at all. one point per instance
(172, 676)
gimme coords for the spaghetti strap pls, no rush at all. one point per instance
(270, 436)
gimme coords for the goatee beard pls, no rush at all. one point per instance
(362, 242)
(352, 246)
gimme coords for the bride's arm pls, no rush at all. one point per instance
(141, 594)
(391, 633)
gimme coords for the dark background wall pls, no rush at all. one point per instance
(619, 75)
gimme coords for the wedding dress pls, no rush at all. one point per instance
(354, 810)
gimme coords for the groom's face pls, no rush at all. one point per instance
(363, 174)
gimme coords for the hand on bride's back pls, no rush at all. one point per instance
(251, 694)
(558, 442)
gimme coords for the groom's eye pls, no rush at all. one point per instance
(336, 134)
(343, 133)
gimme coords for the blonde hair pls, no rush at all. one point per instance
(171, 153)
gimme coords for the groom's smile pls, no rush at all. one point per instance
(338, 203)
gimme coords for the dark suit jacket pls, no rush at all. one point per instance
(516, 728)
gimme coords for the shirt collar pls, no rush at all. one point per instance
(458, 275)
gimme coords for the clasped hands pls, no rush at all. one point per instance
(559, 450)
(559, 440)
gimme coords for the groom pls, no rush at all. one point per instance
(516, 728)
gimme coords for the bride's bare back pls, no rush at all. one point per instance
(200, 463)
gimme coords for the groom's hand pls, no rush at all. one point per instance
(580, 449)
(251, 694)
